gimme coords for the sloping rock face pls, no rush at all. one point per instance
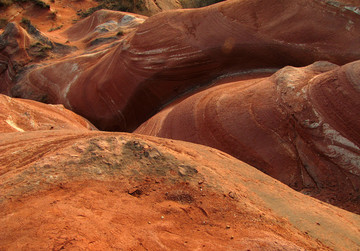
(118, 87)
(19, 115)
(103, 24)
(13, 55)
(98, 191)
(300, 126)
(20, 46)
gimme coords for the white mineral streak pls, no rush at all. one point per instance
(73, 72)
(335, 137)
(11, 123)
(342, 150)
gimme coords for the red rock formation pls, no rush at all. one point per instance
(13, 43)
(73, 188)
(118, 87)
(102, 24)
(300, 126)
(94, 190)
(21, 46)
(20, 115)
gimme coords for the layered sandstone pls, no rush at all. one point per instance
(65, 185)
(119, 85)
(300, 126)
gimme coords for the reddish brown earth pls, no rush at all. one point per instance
(101, 191)
(121, 81)
(300, 126)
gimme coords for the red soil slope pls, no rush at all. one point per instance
(99, 191)
(118, 86)
(300, 126)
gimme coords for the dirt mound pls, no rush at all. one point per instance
(94, 190)
(119, 85)
(299, 126)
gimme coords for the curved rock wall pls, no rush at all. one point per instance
(299, 126)
(120, 86)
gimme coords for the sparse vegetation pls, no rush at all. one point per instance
(197, 3)
(125, 5)
(39, 50)
(138, 6)
(25, 22)
(55, 28)
(85, 13)
(39, 3)
(3, 23)
(53, 15)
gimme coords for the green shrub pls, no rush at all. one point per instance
(88, 12)
(41, 4)
(39, 50)
(25, 22)
(56, 28)
(124, 5)
(3, 23)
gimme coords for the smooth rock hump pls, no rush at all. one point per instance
(101, 191)
(20, 115)
(119, 87)
(300, 126)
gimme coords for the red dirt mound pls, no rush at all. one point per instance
(300, 126)
(120, 85)
(100, 191)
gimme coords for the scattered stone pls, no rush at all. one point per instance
(232, 195)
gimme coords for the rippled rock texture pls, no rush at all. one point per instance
(300, 126)
(118, 85)
(64, 185)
